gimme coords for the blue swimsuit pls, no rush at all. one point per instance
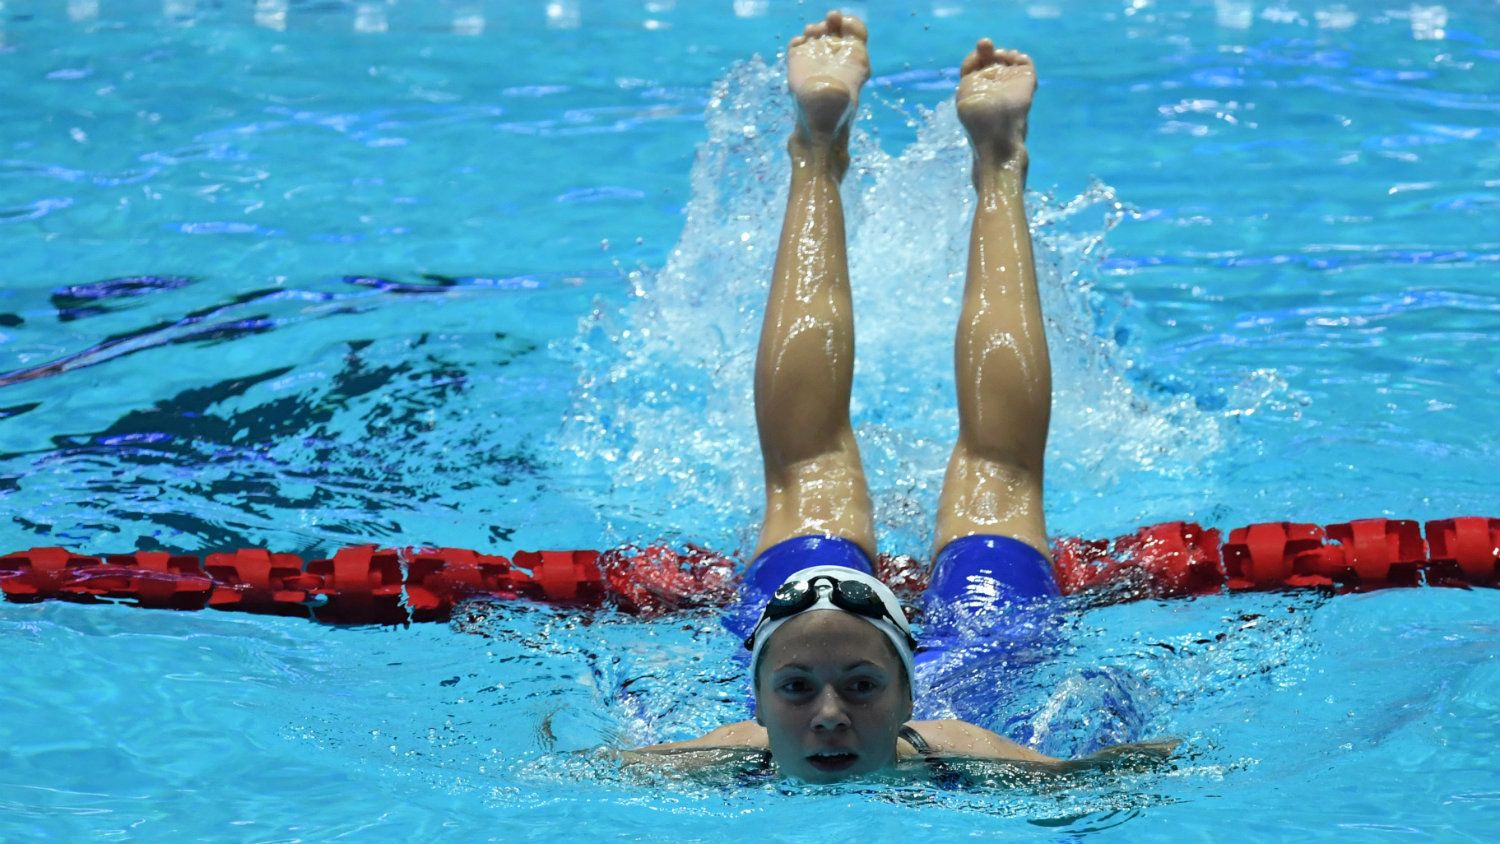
(990, 611)
(992, 588)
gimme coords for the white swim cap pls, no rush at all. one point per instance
(884, 612)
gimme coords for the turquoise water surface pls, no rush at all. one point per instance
(488, 274)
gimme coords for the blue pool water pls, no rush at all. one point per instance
(487, 274)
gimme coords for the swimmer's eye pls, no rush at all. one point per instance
(794, 686)
(802, 687)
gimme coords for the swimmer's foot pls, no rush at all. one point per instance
(994, 97)
(826, 66)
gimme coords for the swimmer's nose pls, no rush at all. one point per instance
(828, 711)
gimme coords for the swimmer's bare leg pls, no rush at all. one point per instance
(815, 484)
(994, 479)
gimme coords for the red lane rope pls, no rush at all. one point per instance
(369, 585)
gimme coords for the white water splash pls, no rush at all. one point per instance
(664, 401)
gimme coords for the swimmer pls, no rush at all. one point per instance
(832, 656)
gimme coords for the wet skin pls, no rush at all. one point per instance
(831, 693)
(832, 696)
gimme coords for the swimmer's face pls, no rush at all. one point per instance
(832, 695)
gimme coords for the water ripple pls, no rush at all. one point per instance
(18, 167)
(1315, 261)
(34, 210)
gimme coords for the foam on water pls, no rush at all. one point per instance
(664, 405)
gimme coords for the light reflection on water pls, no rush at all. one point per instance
(1268, 255)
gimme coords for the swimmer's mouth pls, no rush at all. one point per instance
(831, 762)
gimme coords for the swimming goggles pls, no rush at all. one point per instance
(848, 595)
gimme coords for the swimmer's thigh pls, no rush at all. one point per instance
(988, 494)
(824, 494)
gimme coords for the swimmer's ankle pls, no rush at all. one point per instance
(1001, 167)
(819, 154)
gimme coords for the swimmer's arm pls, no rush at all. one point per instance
(958, 738)
(738, 734)
(1123, 755)
(719, 748)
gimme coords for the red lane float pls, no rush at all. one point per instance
(1166, 560)
(439, 578)
(360, 584)
(154, 579)
(1464, 550)
(658, 579)
(256, 580)
(368, 585)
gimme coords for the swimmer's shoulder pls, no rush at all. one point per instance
(964, 740)
(738, 734)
